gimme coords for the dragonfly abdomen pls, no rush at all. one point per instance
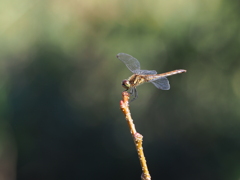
(170, 73)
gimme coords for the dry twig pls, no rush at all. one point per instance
(137, 138)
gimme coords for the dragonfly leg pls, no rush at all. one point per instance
(131, 91)
(134, 93)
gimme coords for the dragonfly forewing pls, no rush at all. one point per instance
(132, 63)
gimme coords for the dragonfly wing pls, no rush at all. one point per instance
(161, 83)
(147, 72)
(132, 63)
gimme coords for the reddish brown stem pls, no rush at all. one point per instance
(137, 138)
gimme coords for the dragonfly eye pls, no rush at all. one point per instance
(126, 84)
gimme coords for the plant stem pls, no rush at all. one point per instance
(137, 137)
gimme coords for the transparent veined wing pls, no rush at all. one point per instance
(147, 72)
(161, 83)
(132, 63)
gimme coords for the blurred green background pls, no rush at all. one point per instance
(60, 87)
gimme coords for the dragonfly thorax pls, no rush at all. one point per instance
(126, 84)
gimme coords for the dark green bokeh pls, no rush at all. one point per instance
(61, 87)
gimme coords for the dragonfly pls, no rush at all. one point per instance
(141, 76)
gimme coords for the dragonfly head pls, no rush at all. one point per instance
(126, 84)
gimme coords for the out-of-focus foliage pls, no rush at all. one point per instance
(60, 86)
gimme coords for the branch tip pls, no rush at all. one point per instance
(125, 96)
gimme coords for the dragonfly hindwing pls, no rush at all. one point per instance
(147, 72)
(161, 83)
